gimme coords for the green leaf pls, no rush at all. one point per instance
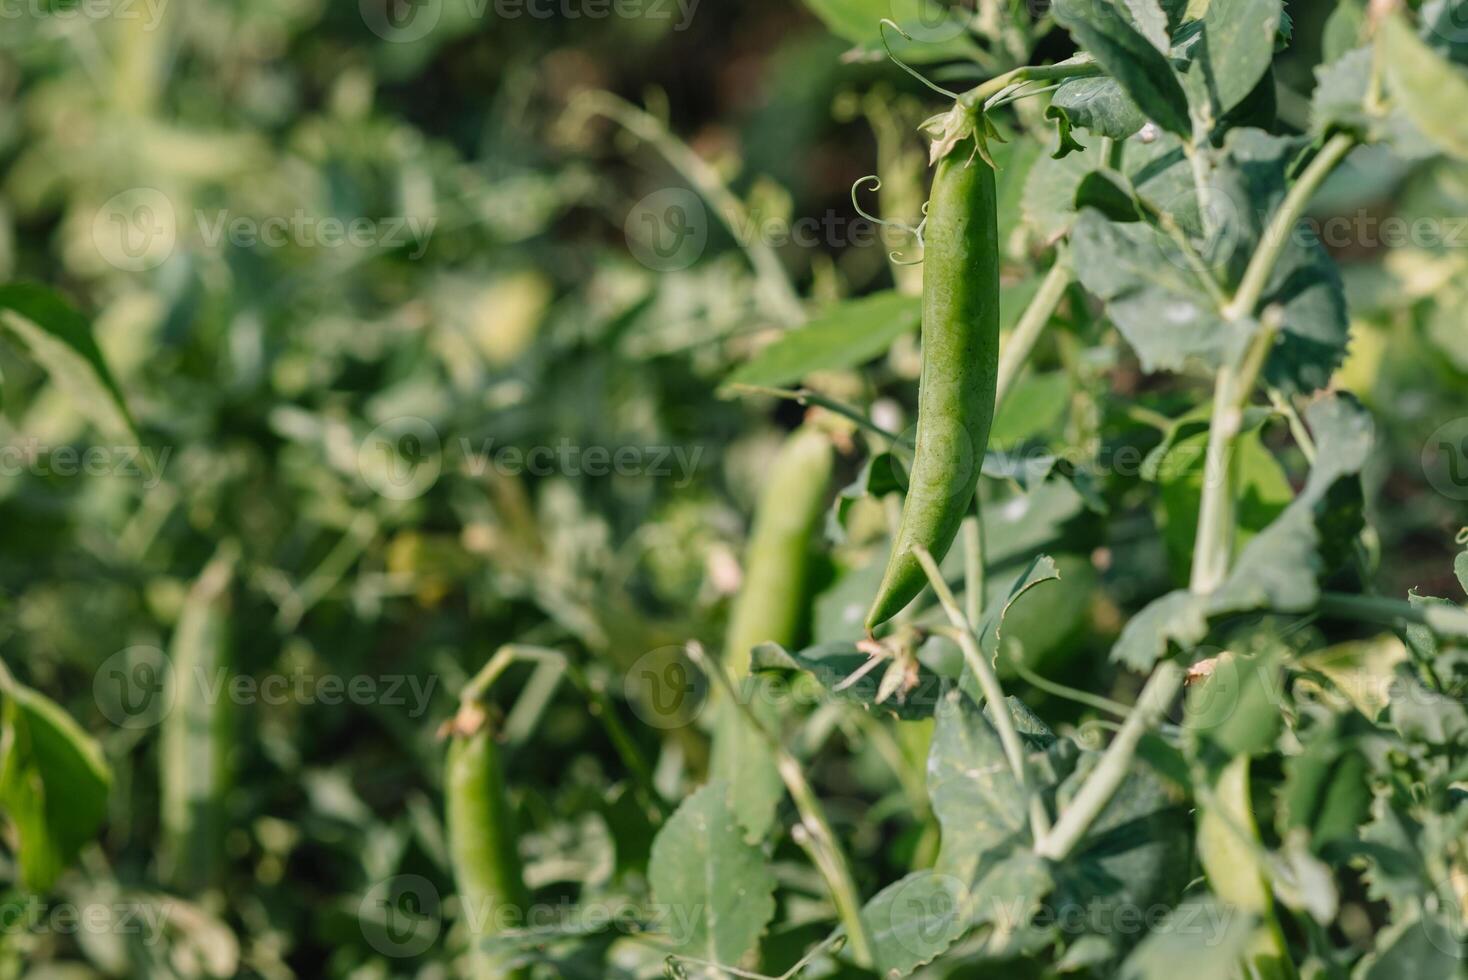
(1137, 853)
(914, 920)
(1261, 489)
(975, 796)
(701, 863)
(1164, 309)
(1232, 52)
(844, 336)
(939, 32)
(1361, 670)
(1206, 935)
(1050, 190)
(741, 758)
(1427, 88)
(54, 782)
(61, 340)
(1420, 945)
(1129, 58)
(1343, 30)
(1100, 105)
(1109, 193)
(1460, 570)
(1326, 789)
(1281, 567)
(1034, 404)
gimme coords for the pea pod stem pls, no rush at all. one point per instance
(993, 693)
(1022, 340)
(824, 848)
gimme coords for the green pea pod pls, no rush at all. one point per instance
(769, 609)
(773, 599)
(482, 839)
(1228, 848)
(960, 347)
(197, 736)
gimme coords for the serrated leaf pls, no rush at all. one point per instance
(1129, 58)
(975, 796)
(1162, 307)
(913, 920)
(54, 782)
(843, 336)
(61, 339)
(701, 863)
(1427, 87)
(1207, 935)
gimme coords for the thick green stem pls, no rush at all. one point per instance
(1114, 766)
(979, 94)
(1445, 621)
(1282, 225)
(988, 680)
(1214, 545)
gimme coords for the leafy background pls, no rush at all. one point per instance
(256, 375)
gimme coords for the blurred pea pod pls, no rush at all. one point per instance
(481, 834)
(1229, 848)
(197, 736)
(770, 607)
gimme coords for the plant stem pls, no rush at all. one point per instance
(981, 93)
(1445, 621)
(1282, 225)
(825, 849)
(973, 564)
(804, 396)
(1214, 545)
(1115, 764)
(773, 280)
(973, 655)
(1031, 323)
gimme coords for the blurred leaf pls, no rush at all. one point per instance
(833, 664)
(1426, 86)
(702, 864)
(61, 340)
(54, 782)
(1207, 935)
(913, 920)
(846, 335)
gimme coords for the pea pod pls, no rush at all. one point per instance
(769, 609)
(1228, 848)
(196, 738)
(482, 837)
(960, 349)
(773, 598)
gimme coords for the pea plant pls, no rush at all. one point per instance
(1259, 771)
(1079, 612)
